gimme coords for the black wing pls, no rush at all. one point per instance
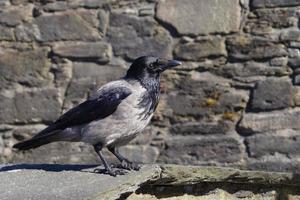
(97, 108)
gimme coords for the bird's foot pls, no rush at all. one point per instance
(111, 172)
(125, 164)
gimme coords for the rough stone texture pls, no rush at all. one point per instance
(98, 51)
(41, 105)
(65, 182)
(167, 182)
(191, 17)
(67, 26)
(233, 100)
(209, 149)
(243, 47)
(277, 18)
(283, 142)
(270, 121)
(273, 94)
(26, 68)
(291, 35)
(130, 35)
(6, 34)
(274, 3)
(208, 47)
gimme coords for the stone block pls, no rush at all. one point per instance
(13, 16)
(37, 105)
(6, 34)
(98, 51)
(269, 121)
(286, 142)
(129, 35)
(201, 95)
(64, 26)
(273, 93)
(198, 149)
(201, 49)
(199, 16)
(29, 68)
(290, 35)
(140, 153)
(200, 128)
(251, 69)
(242, 47)
(279, 17)
(274, 3)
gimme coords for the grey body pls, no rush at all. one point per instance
(121, 126)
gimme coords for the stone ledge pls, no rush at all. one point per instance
(52, 181)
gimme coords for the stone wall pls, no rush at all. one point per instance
(233, 102)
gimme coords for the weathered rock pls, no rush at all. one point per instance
(14, 16)
(285, 142)
(290, 35)
(92, 4)
(130, 35)
(269, 121)
(205, 48)
(243, 47)
(98, 51)
(294, 62)
(278, 18)
(32, 181)
(258, 27)
(201, 149)
(103, 18)
(200, 128)
(296, 80)
(6, 34)
(251, 69)
(202, 95)
(272, 93)
(274, 164)
(198, 17)
(30, 68)
(27, 32)
(215, 194)
(279, 62)
(4, 2)
(141, 153)
(53, 28)
(274, 3)
(56, 6)
(42, 105)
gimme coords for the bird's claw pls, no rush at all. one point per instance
(130, 165)
(111, 172)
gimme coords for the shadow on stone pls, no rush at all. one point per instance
(46, 167)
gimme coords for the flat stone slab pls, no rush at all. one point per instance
(200, 16)
(65, 182)
(52, 181)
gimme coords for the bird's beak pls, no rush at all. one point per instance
(172, 63)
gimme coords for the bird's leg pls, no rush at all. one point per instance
(125, 163)
(108, 169)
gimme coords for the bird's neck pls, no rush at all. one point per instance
(152, 86)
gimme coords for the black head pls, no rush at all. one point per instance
(150, 66)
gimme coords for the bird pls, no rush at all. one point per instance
(113, 115)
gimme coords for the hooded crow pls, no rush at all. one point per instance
(113, 115)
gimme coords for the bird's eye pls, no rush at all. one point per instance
(151, 65)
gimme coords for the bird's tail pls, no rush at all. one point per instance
(36, 142)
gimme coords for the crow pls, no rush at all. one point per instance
(113, 115)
